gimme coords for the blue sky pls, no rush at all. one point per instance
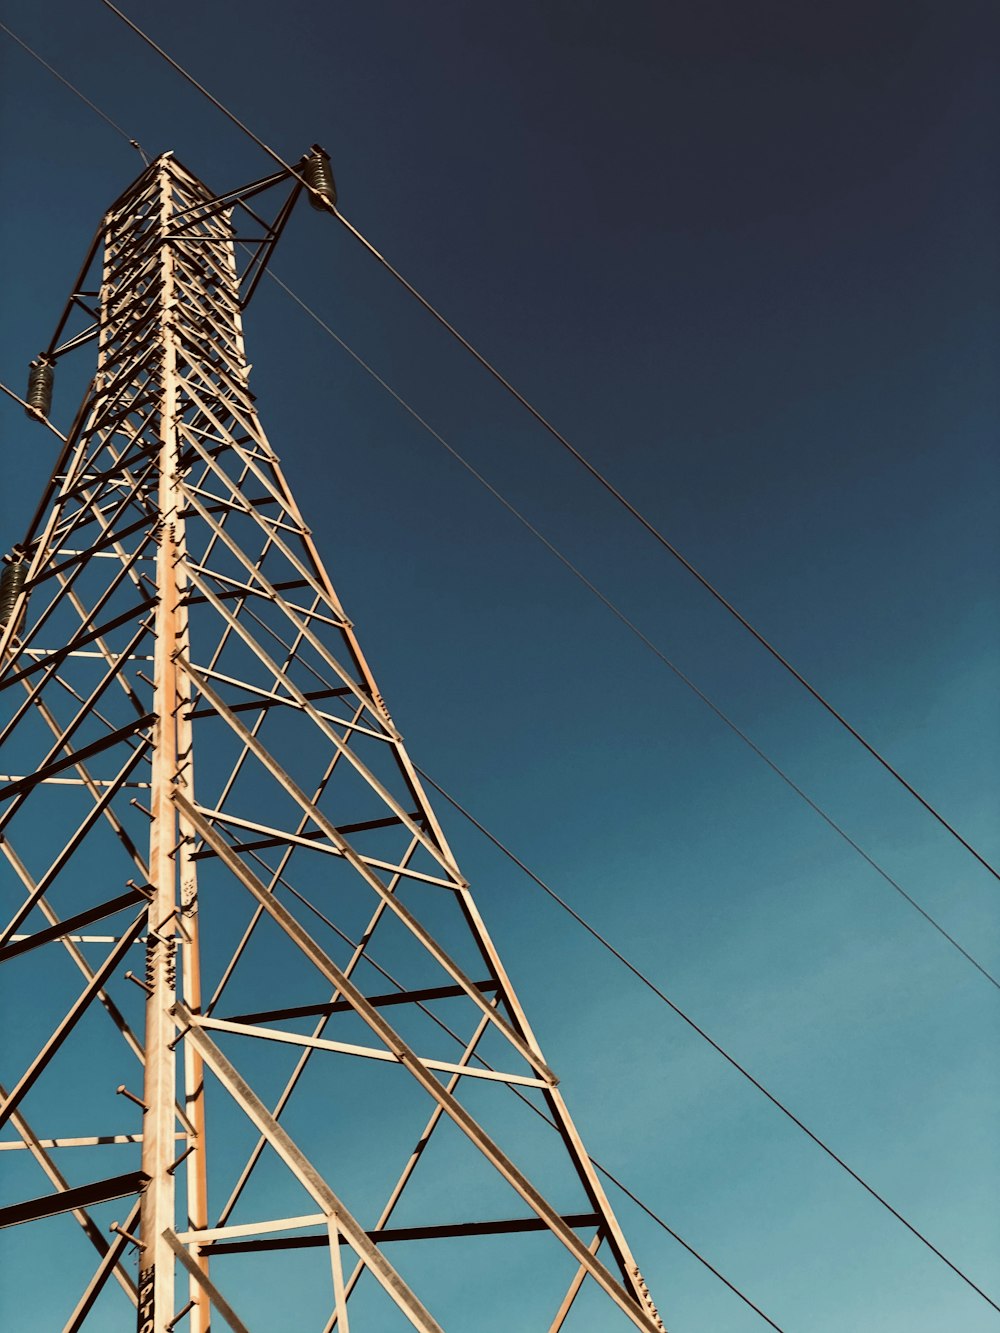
(745, 258)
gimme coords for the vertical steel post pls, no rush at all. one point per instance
(156, 1275)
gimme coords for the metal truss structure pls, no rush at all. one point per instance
(320, 1092)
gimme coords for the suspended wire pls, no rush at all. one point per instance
(661, 995)
(679, 1239)
(134, 143)
(634, 629)
(511, 1087)
(577, 573)
(561, 439)
(609, 1175)
(511, 855)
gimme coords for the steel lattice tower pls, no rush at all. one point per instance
(323, 1065)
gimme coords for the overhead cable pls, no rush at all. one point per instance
(549, 891)
(73, 89)
(483, 1063)
(634, 629)
(561, 439)
(605, 1171)
(577, 573)
(730, 1059)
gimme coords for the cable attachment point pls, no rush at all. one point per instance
(316, 170)
(41, 376)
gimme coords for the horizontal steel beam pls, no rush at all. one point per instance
(259, 705)
(377, 1001)
(72, 923)
(381, 1235)
(83, 1196)
(78, 756)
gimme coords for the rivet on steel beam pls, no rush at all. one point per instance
(122, 1091)
(186, 1153)
(130, 976)
(133, 1240)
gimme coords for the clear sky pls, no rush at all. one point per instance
(745, 256)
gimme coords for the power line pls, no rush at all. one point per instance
(506, 851)
(73, 89)
(679, 1239)
(730, 1059)
(634, 629)
(625, 620)
(608, 1174)
(511, 1087)
(561, 439)
(574, 570)
(577, 573)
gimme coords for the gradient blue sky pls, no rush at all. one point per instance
(746, 257)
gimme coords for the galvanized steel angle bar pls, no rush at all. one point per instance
(86, 710)
(252, 511)
(269, 484)
(36, 1147)
(279, 837)
(216, 204)
(243, 417)
(364, 1052)
(60, 532)
(303, 633)
(312, 950)
(109, 590)
(293, 788)
(110, 1263)
(93, 788)
(207, 1285)
(278, 872)
(110, 538)
(261, 259)
(87, 917)
(72, 1017)
(58, 655)
(393, 1042)
(359, 952)
(307, 1175)
(68, 848)
(77, 285)
(112, 1010)
(418, 1151)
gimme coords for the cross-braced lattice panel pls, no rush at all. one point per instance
(367, 1125)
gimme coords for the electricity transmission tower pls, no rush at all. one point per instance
(256, 1037)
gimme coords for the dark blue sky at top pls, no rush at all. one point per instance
(745, 256)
